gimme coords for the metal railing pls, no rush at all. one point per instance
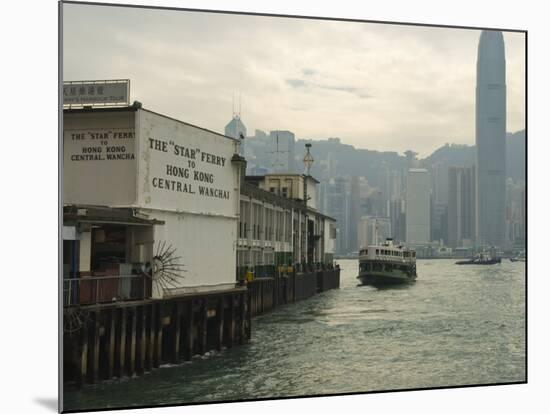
(105, 289)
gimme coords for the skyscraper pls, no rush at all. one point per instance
(491, 138)
(418, 206)
(355, 208)
(461, 211)
(372, 230)
(281, 148)
(234, 129)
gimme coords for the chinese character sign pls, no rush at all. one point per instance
(90, 93)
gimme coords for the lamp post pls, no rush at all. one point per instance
(308, 162)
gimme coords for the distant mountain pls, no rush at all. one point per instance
(348, 160)
(465, 155)
(453, 155)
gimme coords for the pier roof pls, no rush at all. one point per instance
(86, 214)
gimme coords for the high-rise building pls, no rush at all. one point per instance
(338, 206)
(440, 197)
(236, 129)
(461, 221)
(372, 230)
(281, 150)
(418, 206)
(440, 183)
(515, 214)
(396, 185)
(354, 212)
(491, 138)
(398, 219)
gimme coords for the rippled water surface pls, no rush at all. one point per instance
(456, 325)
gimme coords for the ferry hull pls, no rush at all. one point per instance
(381, 279)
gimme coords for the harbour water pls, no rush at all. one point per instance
(455, 325)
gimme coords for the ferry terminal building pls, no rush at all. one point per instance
(138, 185)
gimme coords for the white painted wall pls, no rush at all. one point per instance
(311, 192)
(207, 246)
(329, 242)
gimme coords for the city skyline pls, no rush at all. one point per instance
(382, 87)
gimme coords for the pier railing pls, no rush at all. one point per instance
(105, 289)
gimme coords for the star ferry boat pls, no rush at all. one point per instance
(386, 264)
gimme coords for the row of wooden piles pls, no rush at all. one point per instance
(130, 338)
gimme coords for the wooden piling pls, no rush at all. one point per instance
(111, 344)
(220, 313)
(133, 328)
(158, 339)
(141, 339)
(152, 329)
(95, 352)
(121, 344)
(203, 326)
(242, 316)
(188, 341)
(131, 338)
(83, 359)
(231, 320)
(176, 329)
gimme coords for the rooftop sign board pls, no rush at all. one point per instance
(142, 159)
(97, 93)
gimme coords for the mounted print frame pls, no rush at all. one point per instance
(260, 207)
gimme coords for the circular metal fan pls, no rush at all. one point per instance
(74, 319)
(166, 269)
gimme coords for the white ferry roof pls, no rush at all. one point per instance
(387, 249)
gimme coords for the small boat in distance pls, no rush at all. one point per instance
(517, 259)
(480, 259)
(386, 264)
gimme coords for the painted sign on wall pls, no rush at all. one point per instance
(185, 168)
(99, 166)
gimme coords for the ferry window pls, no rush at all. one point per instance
(377, 251)
(414, 254)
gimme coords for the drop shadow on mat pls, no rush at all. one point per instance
(49, 403)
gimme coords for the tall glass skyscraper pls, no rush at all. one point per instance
(490, 139)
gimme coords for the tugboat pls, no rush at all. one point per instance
(386, 264)
(480, 259)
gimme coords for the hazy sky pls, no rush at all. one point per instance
(376, 86)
